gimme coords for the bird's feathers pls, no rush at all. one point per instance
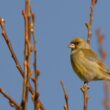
(86, 63)
(92, 56)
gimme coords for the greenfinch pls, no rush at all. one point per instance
(86, 63)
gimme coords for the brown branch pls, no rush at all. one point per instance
(24, 103)
(27, 54)
(103, 55)
(5, 36)
(2, 23)
(100, 37)
(84, 90)
(29, 19)
(12, 102)
(36, 71)
(66, 106)
(41, 105)
(89, 25)
(37, 103)
(106, 101)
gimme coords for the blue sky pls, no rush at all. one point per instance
(57, 22)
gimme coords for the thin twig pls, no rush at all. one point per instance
(66, 106)
(26, 74)
(12, 102)
(5, 36)
(29, 19)
(36, 71)
(100, 42)
(84, 90)
(39, 105)
(106, 101)
(89, 25)
(25, 70)
(2, 23)
(103, 55)
(27, 54)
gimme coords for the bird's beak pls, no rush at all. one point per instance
(72, 46)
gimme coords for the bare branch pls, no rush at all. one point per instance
(27, 54)
(12, 102)
(66, 106)
(36, 71)
(5, 36)
(100, 37)
(84, 90)
(29, 19)
(89, 25)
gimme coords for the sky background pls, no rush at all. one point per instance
(57, 23)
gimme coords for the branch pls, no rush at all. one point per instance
(84, 90)
(36, 71)
(89, 25)
(66, 106)
(27, 54)
(12, 102)
(41, 105)
(103, 55)
(29, 19)
(100, 37)
(106, 101)
(5, 36)
(2, 23)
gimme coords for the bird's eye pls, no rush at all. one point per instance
(77, 43)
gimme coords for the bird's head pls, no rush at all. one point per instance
(78, 43)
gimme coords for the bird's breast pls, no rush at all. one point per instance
(81, 66)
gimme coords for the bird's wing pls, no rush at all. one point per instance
(92, 56)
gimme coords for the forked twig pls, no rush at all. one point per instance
(84, 90)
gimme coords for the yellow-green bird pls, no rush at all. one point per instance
(86, 63)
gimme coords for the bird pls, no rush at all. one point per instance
(86, 63)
